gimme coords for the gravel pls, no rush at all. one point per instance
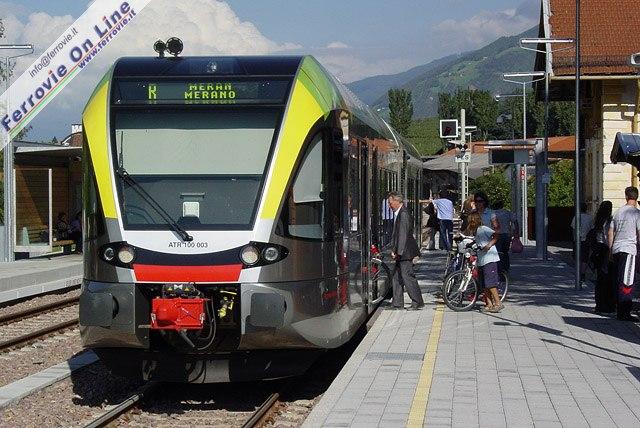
(71, 402)
(20, 305)
(38, 356)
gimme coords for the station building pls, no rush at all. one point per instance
(48, 181)
(610, 88)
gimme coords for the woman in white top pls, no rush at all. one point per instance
(488, 259)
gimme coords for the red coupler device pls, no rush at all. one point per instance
(177, 314)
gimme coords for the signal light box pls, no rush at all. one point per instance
(449, 128)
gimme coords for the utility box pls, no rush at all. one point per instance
(511, 157)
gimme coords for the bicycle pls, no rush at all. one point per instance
(461, 290)
(455, 258)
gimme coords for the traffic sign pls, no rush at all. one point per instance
(463, 157)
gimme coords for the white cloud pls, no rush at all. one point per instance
(337, 45)
(207, 27)
(482, 28)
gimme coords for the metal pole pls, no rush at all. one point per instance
(523, 170)
(545, 185)
(578, 284)
(463, 169)
(8, 181)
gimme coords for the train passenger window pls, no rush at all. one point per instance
(353, 199)
(305, 204)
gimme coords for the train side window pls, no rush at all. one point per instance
(305, 203)
(353, 199)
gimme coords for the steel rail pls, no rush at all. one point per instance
(4, 345)
(123, 407)
(262, 411)
(31, 312)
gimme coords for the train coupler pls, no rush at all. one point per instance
(177, 313)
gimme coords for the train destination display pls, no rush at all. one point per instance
(201, 92)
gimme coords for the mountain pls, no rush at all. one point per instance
(372, 88)
(480, 69)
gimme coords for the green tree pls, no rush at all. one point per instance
(496, 186)
(425, 136)
(480, 107)
(400, 110)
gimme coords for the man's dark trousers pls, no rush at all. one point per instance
(446, 230)
(404, 274)
(625, 265)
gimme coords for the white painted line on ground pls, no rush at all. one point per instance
(21, 388)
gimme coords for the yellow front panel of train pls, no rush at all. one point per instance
(97, 133)
(303, 112)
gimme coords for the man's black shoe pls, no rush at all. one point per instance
(627, 318)
(415, 307)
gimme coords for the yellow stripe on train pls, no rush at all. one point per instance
(303, 112)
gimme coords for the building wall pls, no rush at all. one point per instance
(618, 107)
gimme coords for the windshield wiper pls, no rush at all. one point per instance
(122, 173)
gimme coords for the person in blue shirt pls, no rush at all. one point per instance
(488, 259)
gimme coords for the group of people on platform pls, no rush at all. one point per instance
(608, 246)
(493, 230)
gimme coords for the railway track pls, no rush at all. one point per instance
(132, 402)
(23, 327)
(39, 310)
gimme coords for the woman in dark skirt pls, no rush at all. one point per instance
(605, 292)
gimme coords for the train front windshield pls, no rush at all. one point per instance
(202, 166)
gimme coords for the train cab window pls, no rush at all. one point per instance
(305, 203)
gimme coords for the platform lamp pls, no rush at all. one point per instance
(542, 179)
(9, 227)
(524, 78)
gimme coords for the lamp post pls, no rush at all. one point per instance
(524, 79)
(500, 97)
(542, 159)
(9, 227)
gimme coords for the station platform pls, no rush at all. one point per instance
(24, 278)
(546, 360)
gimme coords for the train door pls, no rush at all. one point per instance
(365, 208)
(354, 206)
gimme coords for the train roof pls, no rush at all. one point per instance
(208, 65)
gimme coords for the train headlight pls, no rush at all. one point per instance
(250, 255)
(126, 254)
(108, 254)
(271, 254)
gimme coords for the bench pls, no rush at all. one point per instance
(36, 232)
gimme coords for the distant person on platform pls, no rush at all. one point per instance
(508, 230)
(586, 224)
(444, 210)
(75, 231)
(605, 291)
(487, 215)
(404, 249)
(387, 220)
(429, 226)
(623, 241)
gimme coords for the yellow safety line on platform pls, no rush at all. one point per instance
(421, 398)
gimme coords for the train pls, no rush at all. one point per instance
(235, 225)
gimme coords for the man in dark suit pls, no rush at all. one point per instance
(403, 250)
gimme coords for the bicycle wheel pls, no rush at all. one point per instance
(460, 291)
(503, 287)
(451, 260)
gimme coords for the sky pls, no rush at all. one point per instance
(354, 39)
